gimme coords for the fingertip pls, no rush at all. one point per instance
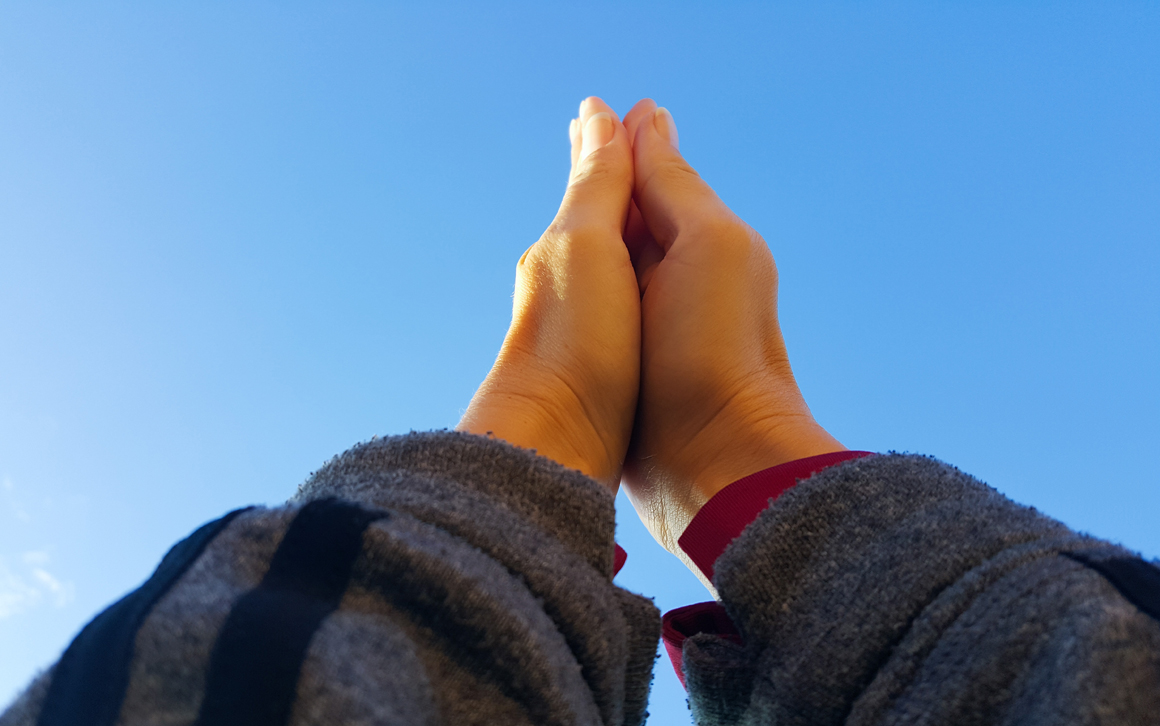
(638, 113)
(598, 131)
(574, 138)
(656, 136)
(666, 127)
(593, 105)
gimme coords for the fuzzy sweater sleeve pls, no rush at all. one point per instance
(898, 590)
(436, 578)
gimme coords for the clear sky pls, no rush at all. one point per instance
(237, 238)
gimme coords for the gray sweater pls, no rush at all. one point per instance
(443, 578)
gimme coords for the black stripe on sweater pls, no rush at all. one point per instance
(89, 683)
(1138, 581)
(254, 668)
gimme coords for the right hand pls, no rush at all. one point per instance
(718, 400)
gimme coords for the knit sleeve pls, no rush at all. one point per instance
(433, 578)
(897, 589)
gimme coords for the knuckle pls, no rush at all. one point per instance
(674, 175)
(527, 258)
(679, 173)
(574, 234)
(599, 174)
(727, 233)
(563, 249)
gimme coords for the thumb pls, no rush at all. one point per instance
(600, 185)
(673, 199)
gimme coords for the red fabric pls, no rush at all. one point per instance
(732, 509)
(704, 617)
(718, 523)
(620, 558)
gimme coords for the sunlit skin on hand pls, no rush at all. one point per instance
(644, 338)
(566, 378)
(718, 400)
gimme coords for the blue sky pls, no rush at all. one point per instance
(237, 238)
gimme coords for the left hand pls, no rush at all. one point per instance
(718, 399)
(566, 378)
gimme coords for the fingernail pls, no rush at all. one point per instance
(597, 132)
(666, 126)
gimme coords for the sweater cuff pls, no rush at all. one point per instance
(733, 508)
(683, 623)
(562, 503)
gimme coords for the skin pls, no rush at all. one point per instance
(644, 345)
(565, 381)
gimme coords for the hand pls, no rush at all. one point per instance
(718, 400)
(565, 381)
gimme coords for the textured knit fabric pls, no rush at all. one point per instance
(482, 595)
(451, 579)
(734, 508)
(898, 590)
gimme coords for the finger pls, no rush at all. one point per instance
(641, 110)
(671, 196)
(593, 105)
(574, 138)
(600, 187)
(588, 107)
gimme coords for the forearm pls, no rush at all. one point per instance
(897, 584)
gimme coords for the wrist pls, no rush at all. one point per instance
(669, 484)
(736, 445)
(539, 422)
(742, 452)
